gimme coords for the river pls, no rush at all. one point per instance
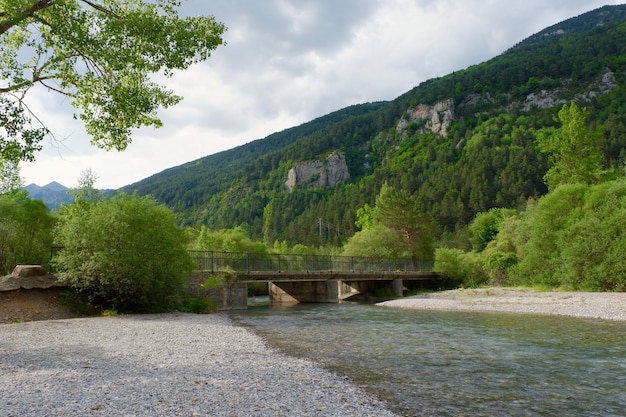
(427, 363)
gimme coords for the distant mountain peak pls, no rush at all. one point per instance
(55, 186)
(578, 24)
(52, 194)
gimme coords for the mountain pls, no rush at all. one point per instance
(460, 144)
(53, 194)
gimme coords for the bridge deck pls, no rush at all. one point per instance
(294, 276)
(293, 267)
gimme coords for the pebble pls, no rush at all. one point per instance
(166, 364)
(596, 305)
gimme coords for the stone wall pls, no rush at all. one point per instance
(230, 295)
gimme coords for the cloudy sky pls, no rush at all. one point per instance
(289, 61)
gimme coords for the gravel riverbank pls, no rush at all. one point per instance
(165, 365)
(599, 305)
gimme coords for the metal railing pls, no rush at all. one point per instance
(216, 261)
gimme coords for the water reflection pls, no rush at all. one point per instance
(450, 363)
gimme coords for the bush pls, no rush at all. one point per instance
(575, 238)
(539, 234)
(464, 268)
(497, 265)
(125, 252)
(198, 305)
(486, 225)
(379, 241)
(594, 242)
(25, 231)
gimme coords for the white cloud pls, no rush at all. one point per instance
(289, 61)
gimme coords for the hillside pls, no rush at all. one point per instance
(460, 144)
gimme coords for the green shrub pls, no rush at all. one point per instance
(25, 231)
(198, 305)
(485, 226)
(539, 234)
(574, 238)
(594, 242)
(463, 268)
(126, 252)
(497, 265)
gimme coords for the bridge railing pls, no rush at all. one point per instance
(216, 261)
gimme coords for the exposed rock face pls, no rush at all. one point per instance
(435, 118)
(28, 277)
(319, 174)
(546, 99)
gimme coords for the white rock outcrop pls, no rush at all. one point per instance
(318, 174)
(436, 118)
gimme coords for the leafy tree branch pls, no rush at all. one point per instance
(102, 56)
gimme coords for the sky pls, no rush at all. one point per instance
(287, 62)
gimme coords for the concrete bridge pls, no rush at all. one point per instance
(318, 279)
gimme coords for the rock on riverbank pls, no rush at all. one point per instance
(601, 305)
(166, 365)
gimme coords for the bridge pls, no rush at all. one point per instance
(317, 278)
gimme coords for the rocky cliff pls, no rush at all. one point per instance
(318, 174)
(546, 99)
(434, 118)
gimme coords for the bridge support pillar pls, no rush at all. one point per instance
(304, 292)
(231, 295)
(398, 287)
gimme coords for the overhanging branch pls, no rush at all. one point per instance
(101, 8)
(38, 5)
(7, 24)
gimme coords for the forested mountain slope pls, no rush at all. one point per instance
(460, 144)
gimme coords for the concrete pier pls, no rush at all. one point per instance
(330, 291)
(398, 287)
(305, 292)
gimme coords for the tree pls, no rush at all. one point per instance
(10, 179)
(125, 252)
(573, 149)
(100, 54)
(228, 240)
(574, 238)
(396, 210)
(25, 231)
(364, 217)
(377, 241)
(486, 225)
(86, 192)
(268, 212)
(393, 228)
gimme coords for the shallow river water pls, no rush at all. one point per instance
(427, 363)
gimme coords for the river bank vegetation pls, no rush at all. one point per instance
(571, 238)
